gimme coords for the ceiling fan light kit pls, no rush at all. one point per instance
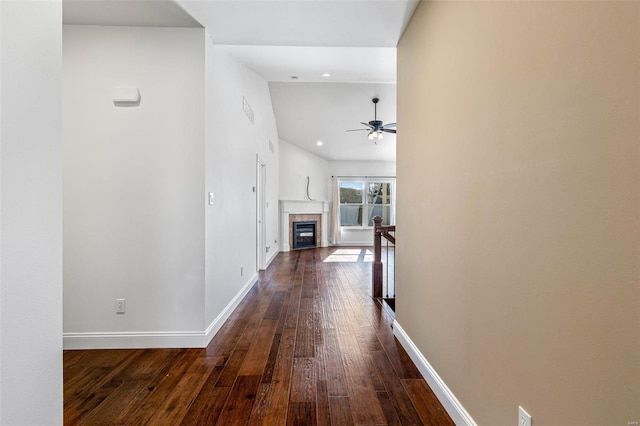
(376, 127)
(375, 135)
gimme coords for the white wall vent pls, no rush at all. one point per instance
(247, 109)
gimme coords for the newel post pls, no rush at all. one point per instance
(377, 259)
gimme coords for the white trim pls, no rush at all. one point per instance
(366, 205)
(272, 256)
(367, 243)
(289, 207)
(156, 339)
(217, 323)
(458, 414)
(133, 340)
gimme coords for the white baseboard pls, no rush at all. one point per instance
(156, 339)
(133, 340)
(456, 411)
(272, 256)
(367, 243)
(217, 323)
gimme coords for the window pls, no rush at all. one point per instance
(363, 199)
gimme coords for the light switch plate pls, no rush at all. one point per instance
(524, 419)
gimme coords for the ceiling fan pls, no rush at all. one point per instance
(376, 127)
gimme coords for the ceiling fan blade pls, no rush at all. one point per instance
(388, 130)
(367, 124)
(357, 130)
(389, 125)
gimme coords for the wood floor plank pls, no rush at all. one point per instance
(237, 408)
(211, 408)
(259, 413)
(201, 405)
(272, 406)
(334, 367)
(145, 405)
(256, 358)
(175, 406)
(100, 366)
(275, 306)
(303, 380)
(426, 403)
(302, 414)
(399, 397)
(270, 365)
(231, 369)
(340, 411)
(388, 409)
(108, 411)
(307, 345)
(363, 399)
(368, 339)
(322, 403)
(108, 380)
(227, 338)
(273, 398)
(135, 380)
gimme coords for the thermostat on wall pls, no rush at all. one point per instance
(125, 96)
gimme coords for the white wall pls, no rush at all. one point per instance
(295, 165)
(31, 221)
(232, 144)
(362, 168)
(133, 184)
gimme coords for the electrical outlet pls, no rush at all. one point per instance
(120, 306)
(524, 419)
(211, 198)
(241, 271)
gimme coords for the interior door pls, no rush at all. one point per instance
(260, 215)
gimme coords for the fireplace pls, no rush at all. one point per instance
(304, 234)
(303, 211)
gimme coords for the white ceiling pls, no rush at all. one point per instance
(141, 13)
(345, 64)
(308, 112)
(353, 40)
(331, 23)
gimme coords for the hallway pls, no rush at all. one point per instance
(307, 345)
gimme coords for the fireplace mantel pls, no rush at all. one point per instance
(301, 207)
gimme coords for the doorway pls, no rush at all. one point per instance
(261, 242)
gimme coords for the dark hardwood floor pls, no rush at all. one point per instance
(307, 346)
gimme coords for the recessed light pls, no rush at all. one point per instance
(326, 74)
(319, 143)
(294, 77)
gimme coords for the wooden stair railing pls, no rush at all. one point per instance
(380, 231)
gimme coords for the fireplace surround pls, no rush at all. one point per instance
(303, 211)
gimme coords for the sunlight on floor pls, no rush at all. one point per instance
(368, 256)
(350, 256)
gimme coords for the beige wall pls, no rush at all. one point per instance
(518, 206)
